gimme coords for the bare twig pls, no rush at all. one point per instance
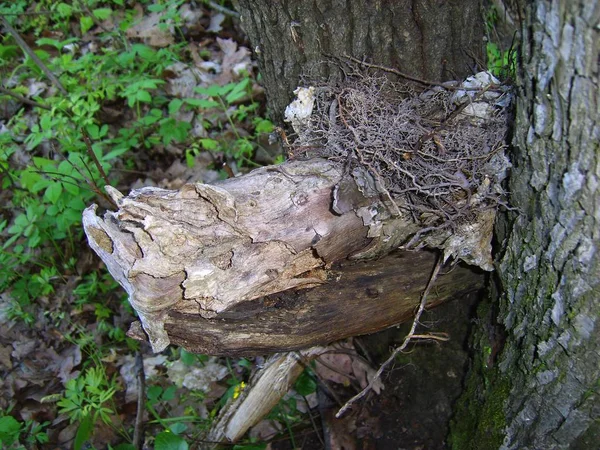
(222, 9)
(25, 47)
(410, 336)
(138, 433)
(24, 99)
(396, 72)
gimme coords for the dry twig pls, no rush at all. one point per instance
(425, 154)
(409, 337)
(138, 433)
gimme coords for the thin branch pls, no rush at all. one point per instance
(25, 47)
(395, 72)
(410, 336)
(24, 99)
(88, 144)
(222, 9)
(138, 433)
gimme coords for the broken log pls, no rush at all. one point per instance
(188, 256)
(359, 298)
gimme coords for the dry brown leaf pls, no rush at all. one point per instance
(150, 31)
(235, 60)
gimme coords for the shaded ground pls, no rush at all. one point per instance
(414, 410)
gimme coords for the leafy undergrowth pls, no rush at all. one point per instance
(145, 93)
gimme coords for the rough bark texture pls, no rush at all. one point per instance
(547, 381)
(431, 39)
(359, 298)
(203, 250)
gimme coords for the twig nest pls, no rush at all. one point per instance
(436, 156)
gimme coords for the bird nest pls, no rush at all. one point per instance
(436, 155)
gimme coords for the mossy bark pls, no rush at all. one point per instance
(549, 368)
(430, 39)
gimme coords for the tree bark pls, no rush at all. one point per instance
(429, 39)
(545, 391)
(360, 298)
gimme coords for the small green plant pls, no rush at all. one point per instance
(57, 150)
(501, 63)
(228, 100)
(87, 399)
(20, 435)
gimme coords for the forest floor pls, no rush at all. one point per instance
(162, 94)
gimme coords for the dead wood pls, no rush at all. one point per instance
(359, 298)
(188, 256)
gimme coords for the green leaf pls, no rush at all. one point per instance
(202, 103)
(145, 52)
(264, 126)
(169, 393)
(102, 13)
(178, 428)
(85, 23)
(209, 144)
(71, 188)
(53, 192)
(245, 364)
(29, 178)
(9, 430)
(52, 210)
(42, 183)
(64, 10)
(113, 154)
(190, 156)
(143, 96)
(48, 41)
(305, 384)
(212, 91)
(84, 432)
(157, 7)
(153, 394)
(186, 357)
(238, 91)
(169, 441)
(175, 105)
(171, 129)
(124, 446)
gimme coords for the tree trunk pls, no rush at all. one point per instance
(544, 392)
(430, 39)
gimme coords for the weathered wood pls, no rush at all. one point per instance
(359, 298)
(204, 249)
(266, 388)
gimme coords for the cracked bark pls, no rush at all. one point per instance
(550, 266)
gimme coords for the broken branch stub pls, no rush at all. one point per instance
(390, 172)
(203, 249)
